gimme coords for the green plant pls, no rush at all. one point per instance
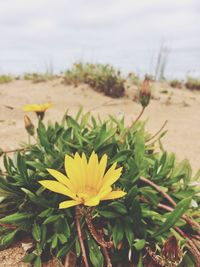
(134, 79)
(5, 79)
(103, 78)
(162, 198)
(193, 83)
(176, 84)
(39, 77)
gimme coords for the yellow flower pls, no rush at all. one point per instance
(86, 182)
(38, 109)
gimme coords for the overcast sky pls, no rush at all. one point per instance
(126, 33)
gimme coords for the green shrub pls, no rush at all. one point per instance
(103, 78)
(160, 204)
(5, 79)
(193, 83)
(134, 79)
(176, 84)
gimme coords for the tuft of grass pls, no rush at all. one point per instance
(103, 78)
(134, 79)
(5, 79)
(193, 83)
(176, 84)
(39, 77)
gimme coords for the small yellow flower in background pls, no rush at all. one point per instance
(86, 182)
(38, 109)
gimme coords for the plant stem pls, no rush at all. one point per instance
(138, 117)
(165, 195)
(189, 220)
(106, 256)
(29, 139)
(80, 237)
(14, 150)
(185, 217)
(9, 226)
(97, 237)
(160, 130)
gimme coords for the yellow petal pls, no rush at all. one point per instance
(93, 201)
(114, 194)
(82, 169)
(92, 170)
(73, 172)
(68, 204)
(104, 191)
(102, 165)
(57, 187)
(61, 178)
(111, 177)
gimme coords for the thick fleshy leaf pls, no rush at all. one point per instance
(57, 187)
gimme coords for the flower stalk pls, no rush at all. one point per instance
(80, 236)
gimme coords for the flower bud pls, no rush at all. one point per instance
(171, 251)
(29, 125)
(145, 93)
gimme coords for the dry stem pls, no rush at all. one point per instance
(80, 237)
(160, 130)
(98, 237)
(138, 117)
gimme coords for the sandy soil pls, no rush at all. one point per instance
(179, 106)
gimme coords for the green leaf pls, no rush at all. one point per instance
(22, 167)
(46, 213)
(139, 244)
(16, 217)
(183, 170)
(140, 151)
(54, 241)
(63, 238)
(121, 156)
(77, 247)
(95, 254)
(38, 262)
(128, 229)
(36, 232)
(108, 214)
(29, 258)
(117, 233)
(175, 215)
(118, 207)
(140, 262)
(51, 219)
(7, 239)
